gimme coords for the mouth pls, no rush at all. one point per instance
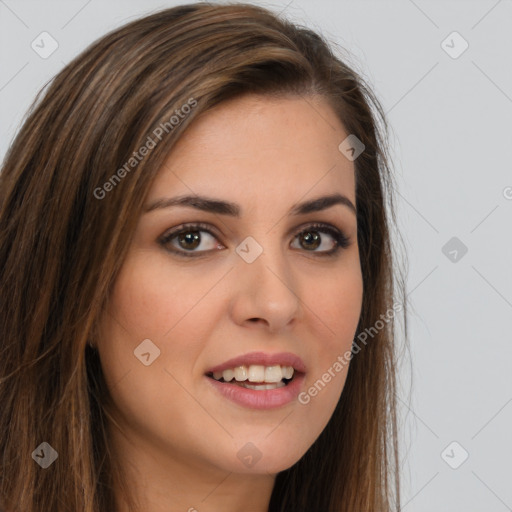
(258, 380)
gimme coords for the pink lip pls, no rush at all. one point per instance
(261, 358)
(264, 399)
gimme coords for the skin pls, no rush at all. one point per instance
(176, 437)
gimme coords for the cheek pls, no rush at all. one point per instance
(338, 309)
(337, 305)
(153, 299)
(142, 298)
(148, 303)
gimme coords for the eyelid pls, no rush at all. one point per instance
(342, 240)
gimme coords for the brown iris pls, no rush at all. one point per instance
(312, 239)
(190, 237)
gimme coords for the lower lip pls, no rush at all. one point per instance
(263, 399)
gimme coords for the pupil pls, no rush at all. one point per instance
(312, 238)
(190, 237)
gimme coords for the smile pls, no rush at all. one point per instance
(264, 384)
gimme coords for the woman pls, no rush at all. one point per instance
(197, 277)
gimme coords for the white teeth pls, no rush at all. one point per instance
(273, 374)
(227, 375)
(256, 373)
(240, 373)
(287, 372)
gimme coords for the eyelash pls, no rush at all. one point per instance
(342, 241)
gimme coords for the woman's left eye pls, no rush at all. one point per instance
(188, 238)
(313, 238)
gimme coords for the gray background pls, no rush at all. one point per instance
(451, 121)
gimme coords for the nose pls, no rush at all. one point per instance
(264, 292)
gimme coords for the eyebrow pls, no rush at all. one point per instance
(218, 206)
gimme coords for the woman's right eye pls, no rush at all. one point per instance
(188, 238)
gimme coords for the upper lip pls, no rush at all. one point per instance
(264, 359)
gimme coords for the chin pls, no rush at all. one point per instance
(267, 456)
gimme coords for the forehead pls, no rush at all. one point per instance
(256, 146)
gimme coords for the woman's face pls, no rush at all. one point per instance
(252, 294)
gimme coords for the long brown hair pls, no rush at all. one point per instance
(67, 215)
